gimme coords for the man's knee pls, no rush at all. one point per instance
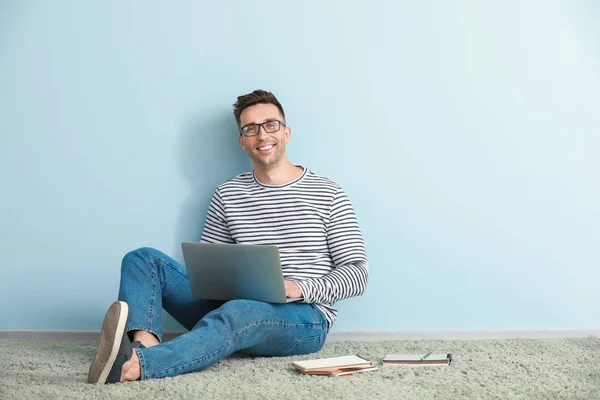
(243, 305)
(244, 310)
(141, 256)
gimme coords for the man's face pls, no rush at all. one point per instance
(265, 149)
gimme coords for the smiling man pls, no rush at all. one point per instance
(307, 216)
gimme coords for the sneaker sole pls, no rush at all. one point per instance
(111, 334)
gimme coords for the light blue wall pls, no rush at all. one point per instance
(466, 134)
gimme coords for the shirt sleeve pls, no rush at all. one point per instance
(346, 246)
(216, 229)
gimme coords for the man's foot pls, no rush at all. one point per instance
(114, 348)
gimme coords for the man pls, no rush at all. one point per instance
(307, 216)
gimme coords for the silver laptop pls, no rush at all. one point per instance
(234, 271)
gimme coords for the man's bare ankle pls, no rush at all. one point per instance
(131, 370)
(146, 338)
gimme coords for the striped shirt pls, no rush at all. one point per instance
(310, 220)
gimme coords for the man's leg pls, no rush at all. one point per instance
(248, 326)
(149, 281)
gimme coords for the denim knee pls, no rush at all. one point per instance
(240, 312)
(141, 254)
(242, 305)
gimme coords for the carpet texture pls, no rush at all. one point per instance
(486, 369)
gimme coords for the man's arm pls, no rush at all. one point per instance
(216, 229)
(346, 245)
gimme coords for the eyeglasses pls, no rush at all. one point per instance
(254, 129)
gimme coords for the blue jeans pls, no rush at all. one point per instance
(151, 281)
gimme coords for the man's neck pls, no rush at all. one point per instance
(278, 175)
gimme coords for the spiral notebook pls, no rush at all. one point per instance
(417, 359)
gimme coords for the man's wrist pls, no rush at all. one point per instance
(303, 291)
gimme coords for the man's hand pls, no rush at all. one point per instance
(292, 291)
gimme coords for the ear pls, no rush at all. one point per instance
(287, 134)
(241, 142)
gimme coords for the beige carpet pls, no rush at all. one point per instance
(487, 369)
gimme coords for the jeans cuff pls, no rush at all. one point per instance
(142, 363)
(145, 329)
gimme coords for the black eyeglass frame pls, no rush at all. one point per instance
(263, 125)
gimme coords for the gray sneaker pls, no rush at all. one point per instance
(114, 348)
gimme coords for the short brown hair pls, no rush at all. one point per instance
(256, 97)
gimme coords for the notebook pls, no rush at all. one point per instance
(417, 359)
(335, 366)
(342, 371)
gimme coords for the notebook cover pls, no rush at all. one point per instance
(331, 363)
(415, 357)
(341, 371)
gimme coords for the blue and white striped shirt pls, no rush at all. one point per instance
(310, 220)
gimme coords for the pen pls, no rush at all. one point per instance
(425, 356)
